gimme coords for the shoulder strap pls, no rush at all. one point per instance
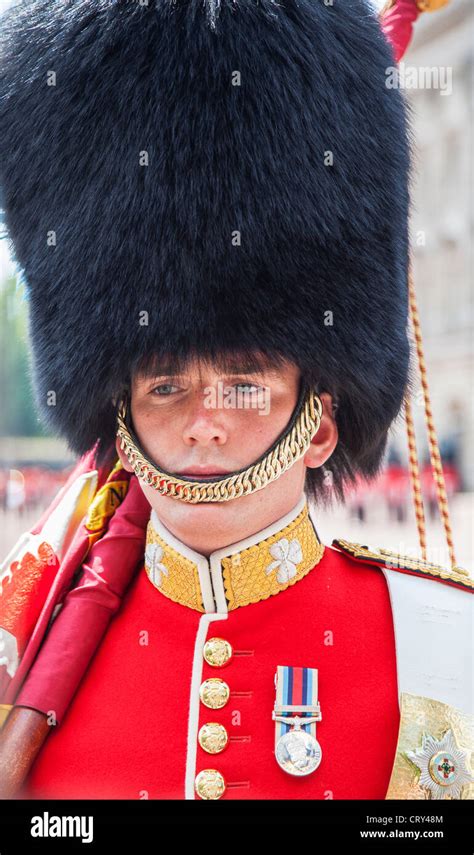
(411, 565)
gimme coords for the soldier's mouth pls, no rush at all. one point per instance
(205, 473)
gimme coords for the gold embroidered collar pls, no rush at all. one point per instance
(245, 572)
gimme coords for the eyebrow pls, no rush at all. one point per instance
(266, 365)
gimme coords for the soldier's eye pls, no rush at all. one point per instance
(164, 389)
(250, 388)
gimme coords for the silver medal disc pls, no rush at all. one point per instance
(298, 753)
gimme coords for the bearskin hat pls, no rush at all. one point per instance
(185, 177)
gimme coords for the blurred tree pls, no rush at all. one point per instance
(17, 411)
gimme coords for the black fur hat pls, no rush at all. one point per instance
(208, 176)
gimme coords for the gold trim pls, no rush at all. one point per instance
(246, 579)
(106, 501)
(249, 576)
(395, 561)
(176, 576)
(291, 447)
(4, 713)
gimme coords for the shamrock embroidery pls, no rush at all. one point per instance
(287, 554)
(156, 570)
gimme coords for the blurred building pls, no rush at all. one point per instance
(441, 55)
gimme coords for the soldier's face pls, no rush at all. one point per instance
(207, 423)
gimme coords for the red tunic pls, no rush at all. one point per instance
(131, 731)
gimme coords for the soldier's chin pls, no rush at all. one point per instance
(197, 505)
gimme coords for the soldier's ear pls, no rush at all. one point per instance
(325, 441)
(122, 456)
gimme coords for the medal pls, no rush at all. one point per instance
(295, 714)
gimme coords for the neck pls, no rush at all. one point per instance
(208, 527)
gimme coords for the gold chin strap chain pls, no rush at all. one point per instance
(290, 448)
(435, 457)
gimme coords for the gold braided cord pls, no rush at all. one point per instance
(435, 457)
(424, 6)
(415, 477)
(292, 446)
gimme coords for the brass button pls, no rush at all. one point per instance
(217, 652)
(209, 784)
(214, 693)
(213, 737)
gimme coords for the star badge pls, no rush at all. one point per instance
(444, 767)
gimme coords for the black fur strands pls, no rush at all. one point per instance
(196, 177)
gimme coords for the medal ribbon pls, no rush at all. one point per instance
(296, 687)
